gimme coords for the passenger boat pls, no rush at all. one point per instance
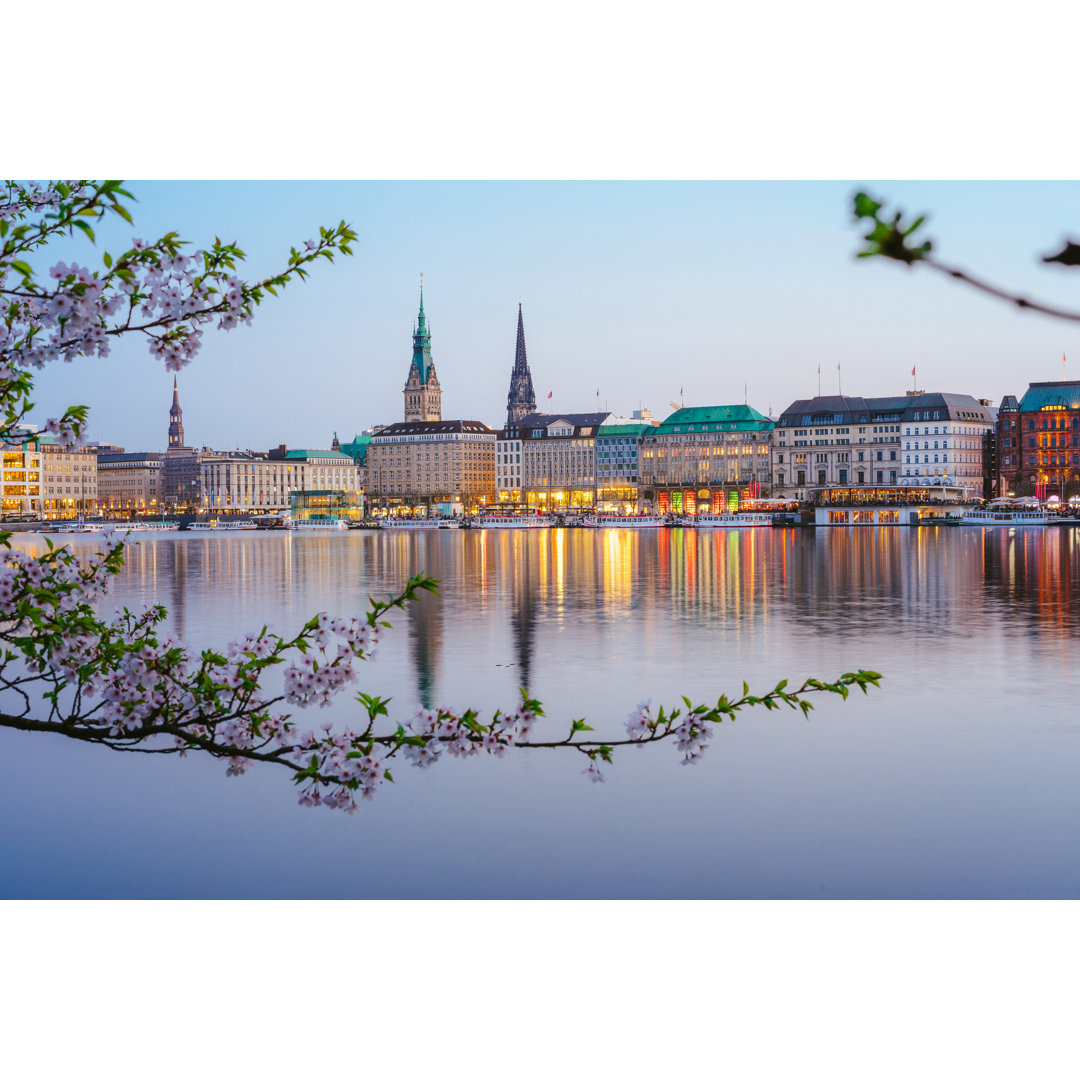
(417, 523)
(216, 525)
(627, 521)
(148, 526)
(82, 527)
(1008, 512)
(320, 525)
(731, 521)
(512, 521)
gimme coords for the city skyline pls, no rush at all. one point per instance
(726, 291)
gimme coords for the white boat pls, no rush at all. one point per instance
(317, 525)
(147, 526)
(216, 525)
(628, 521)
(731, 521)
(1007, 512)
(82, 527)
(512, 521)
(417, 523)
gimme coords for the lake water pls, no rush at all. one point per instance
(959, 778)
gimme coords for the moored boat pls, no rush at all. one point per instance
(528, 520)
(731, 521)
(320, 525)
(417, 523)
(216, 525)
(1007, 512)
(628, 521)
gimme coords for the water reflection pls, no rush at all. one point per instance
(958, 778)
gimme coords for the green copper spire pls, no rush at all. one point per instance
(421, 354)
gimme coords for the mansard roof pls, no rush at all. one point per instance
(704, 417)
(1041, 395)
(435, 427)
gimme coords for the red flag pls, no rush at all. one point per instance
(550, 392)
(913, 373)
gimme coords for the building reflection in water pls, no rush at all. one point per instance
(608, 598)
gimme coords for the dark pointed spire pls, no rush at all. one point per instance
(522, 398)
(176, 418)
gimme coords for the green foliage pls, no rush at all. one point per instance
(889, 238)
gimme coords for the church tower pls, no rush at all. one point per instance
(522, 399)
(176, 419)
(423, 396)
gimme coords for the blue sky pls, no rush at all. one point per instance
(633, 288)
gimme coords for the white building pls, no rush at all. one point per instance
(944, 442)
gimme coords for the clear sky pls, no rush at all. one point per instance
(636, 289)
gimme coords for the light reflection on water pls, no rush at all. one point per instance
(958, 778)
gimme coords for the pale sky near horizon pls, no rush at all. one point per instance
(633, 288)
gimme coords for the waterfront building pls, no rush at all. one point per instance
(130, 483)
(558, 458)
(20, 489)
(423, 395)
(68, 480)
(1038, 441)
(705, 459)
(326, 506)
(508, 467)
(521, 400)
(945, 441)
(248, 481)
(618, 450)
(837, 441)
(432, 467)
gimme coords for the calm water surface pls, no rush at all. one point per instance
(959, 778)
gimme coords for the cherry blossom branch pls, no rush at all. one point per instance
(152, 695)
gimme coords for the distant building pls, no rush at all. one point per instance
(1038, 441)
(423, 395)
(618, 449)
(431, 466)
(508, 467)
(130, 483)
(704, 459)
(521, 400)
(20, 481)
(68, 480)
(836, 441)
(961, 425)
(248, 481)
(558, 458)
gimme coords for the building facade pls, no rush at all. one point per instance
(423, 395)
(837, 441)
(1038, 441)
(521, 400)
(945, 439)
(432, 467)
(508, 467)
(248, 481)
(618, 458)
(558, 459)
(68, 480)
(130, 484)
(20, 489)
(705, 459)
